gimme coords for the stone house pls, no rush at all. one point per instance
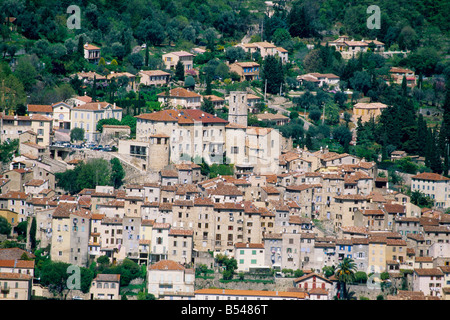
(105, 287)
(169, 279)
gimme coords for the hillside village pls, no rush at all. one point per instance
(210, 168)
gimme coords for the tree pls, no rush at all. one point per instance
(33, 229)
(230, 267)
(345, 273)
(77, 134)
(13, 92)
(128, 270)
(95, 172)
(54, 276)
(189, 82)
(281, 36)
(118, 50)
(117, 173)
(108, 121)
(343, 135)
(315, 114)
(5, 226)
(303, 19)
(26, 72)
(136, 60)
(179, 71)
(207, 106)
(328, 271)
(146, 56)
(130, 121)
(407, 39)
(233, 54)
(188, 33)
(8, 149)
(210, 35)
(313, 61)
(150, 31)
(361, 81)
(420, 199)
(272, 72)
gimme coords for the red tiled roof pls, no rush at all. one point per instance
(249, 245)
(166, 265)
(430, 176)
(44, 108)
(14, 276)
(24, 264)
(96, 106)
(179, 93)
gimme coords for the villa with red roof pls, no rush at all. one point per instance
(181, 97)
(171, 59)
(436, 186)
(167, 279)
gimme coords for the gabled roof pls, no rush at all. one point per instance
(179, 93)
(107, 277)
(93, 106)
(154, 73)
(180, 53)
(89, 46)
(311, 275)
(430, 176)
(428, 272)
(184, 116)
(166, 265)
(43, 108)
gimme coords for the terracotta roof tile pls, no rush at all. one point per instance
(166, 265)
(430, 176)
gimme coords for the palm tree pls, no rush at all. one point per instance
(345, 273)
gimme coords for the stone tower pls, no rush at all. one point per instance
(238, 108)
(158, 153)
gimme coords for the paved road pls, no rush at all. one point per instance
(281, 104)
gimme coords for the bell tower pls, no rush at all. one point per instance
(238, 108)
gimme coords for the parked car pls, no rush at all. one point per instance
(99, 147)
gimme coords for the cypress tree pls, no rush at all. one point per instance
(435, 157)
(94, 89)
(33, 229)
(446, 116)
(208, 87)
(179, 71)
(273, 73)
(421, 134)
(146, 57)
(80, 49)
(404, 86)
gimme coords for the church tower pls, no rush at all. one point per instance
(238, 108)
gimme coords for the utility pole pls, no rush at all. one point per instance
(323, 114)
(265, 91)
